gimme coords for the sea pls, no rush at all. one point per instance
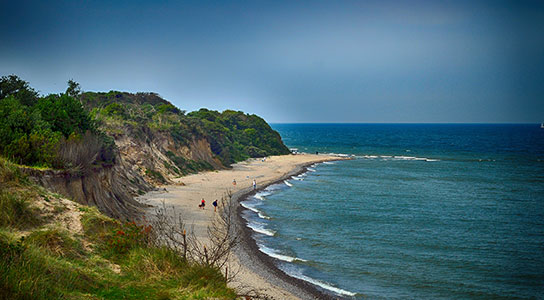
(423, 211)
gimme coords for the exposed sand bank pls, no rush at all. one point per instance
(256, 270)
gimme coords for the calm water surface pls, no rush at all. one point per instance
(424, 211)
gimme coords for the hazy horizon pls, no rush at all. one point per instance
(301, 62)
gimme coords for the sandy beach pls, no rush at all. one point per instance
(255, 270)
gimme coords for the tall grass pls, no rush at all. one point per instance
(118, 261)
(16, 211)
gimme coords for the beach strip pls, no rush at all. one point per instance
(255, 270)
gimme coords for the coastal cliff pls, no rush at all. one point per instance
(103, 149)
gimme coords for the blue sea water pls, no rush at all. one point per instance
(423, 211)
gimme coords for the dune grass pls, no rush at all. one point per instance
(109, 259)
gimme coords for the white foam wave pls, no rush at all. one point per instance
(328, 163)
(287, 183)
(261, 195)
(397, 157)
(338, 154)
(249, 207)
(311, 170)
(263, 216)
(261, 229)
(404, 157)
(274, 253)
(324, 285)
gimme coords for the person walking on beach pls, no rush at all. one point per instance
(254, 184)
(234, 182)
(215, 205)
(202, 203)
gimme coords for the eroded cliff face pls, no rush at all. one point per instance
(111, 189)
(143, 162)
(158, 158)
(155, 142)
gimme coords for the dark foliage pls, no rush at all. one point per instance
(40, 131)
(235, 136)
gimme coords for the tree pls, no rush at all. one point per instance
(65, 114)
(74, 89)
(13, 85)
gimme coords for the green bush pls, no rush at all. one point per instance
(157, 176)
(127, 237)
(32, 129)
(115, 109)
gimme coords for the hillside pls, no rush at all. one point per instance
(165, 142)
(70, 167)
(102, 149)
(54, 248)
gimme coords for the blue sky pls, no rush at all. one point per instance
(294, 61)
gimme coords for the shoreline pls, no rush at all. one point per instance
(256, 271)
(264, 265)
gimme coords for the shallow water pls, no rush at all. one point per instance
(424, 211)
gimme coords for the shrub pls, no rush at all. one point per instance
(128, 236)
(157, 176)
(115, 109)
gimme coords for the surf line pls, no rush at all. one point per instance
(249, 244)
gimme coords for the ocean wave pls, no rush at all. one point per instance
(260, 229)
(323, 284)
(274, 253)
(397, 157)
(261, 195)
(263, 216)
(297, 178)
(287, 183)
(339, 154)
(328, 163)
(249, 207)
(311, 170)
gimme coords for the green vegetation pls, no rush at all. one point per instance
(157, 176)
(48, 131)
(233, 135)
(42, 258)
(15, 208)
(186, 166)
(108, 259)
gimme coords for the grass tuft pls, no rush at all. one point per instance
(57, 242)
(16, 211)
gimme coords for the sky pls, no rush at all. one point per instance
(292, 61)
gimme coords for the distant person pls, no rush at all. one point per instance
(316, 153)
(215, 205)
(254, 184)
(234, 182)
(202, 203)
